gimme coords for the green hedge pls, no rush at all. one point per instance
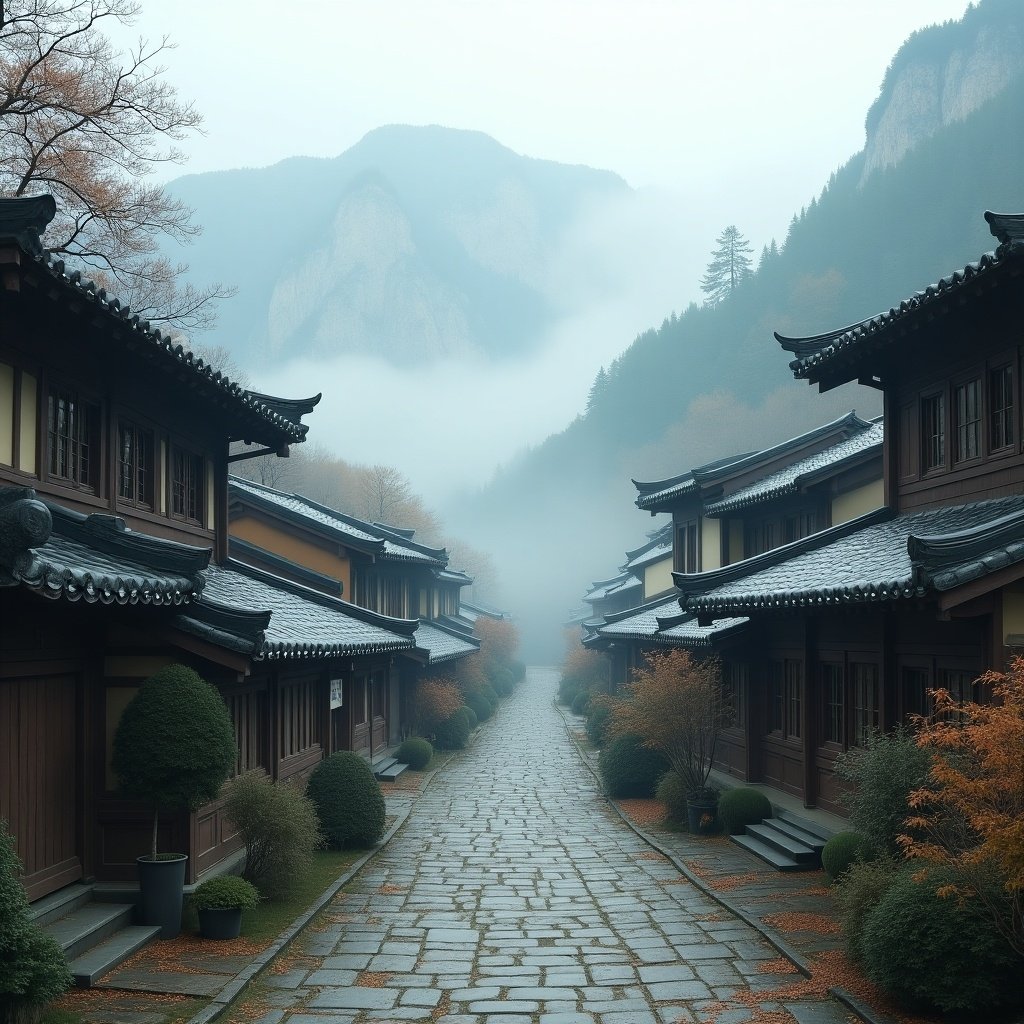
(629, 769)
(742, 806)
(416, 752)
(843, 850)
(348, 800)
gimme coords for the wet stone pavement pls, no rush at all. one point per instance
(513, 894)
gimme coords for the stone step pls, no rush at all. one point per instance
(778, 839)
(795, 832)
(89, 925)
(779, 861)
(59, 903)
(88, 967)
(820, 831)
(392, 772)
(383, 762)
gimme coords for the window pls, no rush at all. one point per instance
(380, 694)
(776, 697)
(933, 433)
(73, 439)
(798, 526)
(864, 684)
(187, 486)
(758, 538)
(734, 693)
(959, 683)
(359, 688)
(833, 696)
(794, 685)
(1000, 404)
(968, 420)
(135, 477)
(784, 697)
(393, 603)
(686, 547)
(915, 682)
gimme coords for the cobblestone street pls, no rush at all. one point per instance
(514, 894)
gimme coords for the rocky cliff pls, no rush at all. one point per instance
(941, 75)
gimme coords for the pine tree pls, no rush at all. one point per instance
(730, 264)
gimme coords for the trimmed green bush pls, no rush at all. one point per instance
(742, 806)
(32, 966)
(672, 793)
(471, 717)
(348, 800)
(480, 706)
(598, 719)
(880, 777)
(453, 732)
(280, 827)
(416, 752)
(518, 670)
(503, 681)
(226, 892)
(942, 953)
(858, 891)
(568, 687)
(175, 744)
(491, 694)
(580, 702)
(629, 769)
(842, 850)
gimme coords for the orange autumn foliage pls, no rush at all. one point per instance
(499, 639)
(436, 701)
(970, 814)
(585, 667)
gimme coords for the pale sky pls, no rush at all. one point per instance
(741, 105)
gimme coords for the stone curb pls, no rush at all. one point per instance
(223, 999)
(847, 999)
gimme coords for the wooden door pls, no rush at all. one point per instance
(379, 706)
(39, 766)
(360, 713)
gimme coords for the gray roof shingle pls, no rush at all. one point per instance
(441, 645)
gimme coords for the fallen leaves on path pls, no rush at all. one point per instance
(186, 954)
(390, 889)
(373, 979)
(644, 812)
(797, 921)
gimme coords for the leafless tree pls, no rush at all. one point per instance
(89, 123)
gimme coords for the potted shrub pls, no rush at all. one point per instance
(675, 705)
(220, 902)
(174, 747)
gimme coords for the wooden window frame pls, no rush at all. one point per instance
(963, 419)
(834, 739)
(926, 439)
(859, 730)
(1007, 368)
(150, 498)
(686, 550)
(198, 460)
(81, 397)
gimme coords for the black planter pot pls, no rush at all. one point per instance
(702, 816)
(220, 922)
(161, 892)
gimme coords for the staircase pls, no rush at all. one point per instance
(786, 841)
(387, 768)
(96, 937)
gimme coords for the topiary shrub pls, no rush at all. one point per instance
(280, 827)
(672, 793)
(860, 888)
(742, 806)
(518, 670)
(175, 744)
(470, 717)
(416, 752)
(881, 776)
(939, 953)
(598, 720)
(491, 694)
(842, 850)
(436, 701)
(580, 702)
(348, 800)
(480, 706)
(453, 733)
(568, 687)
(503, 681)
(225, 892)
(629, 769)
(32, 966)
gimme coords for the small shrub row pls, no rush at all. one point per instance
(453, 733)
(599, 715)
(416, 752)
(348, 800)
(842, 851)
(629, 769)
(672, 793)
(742, 806)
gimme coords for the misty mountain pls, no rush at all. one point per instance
(415, 244)
(901, 213)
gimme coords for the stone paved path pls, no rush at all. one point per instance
(513, 895)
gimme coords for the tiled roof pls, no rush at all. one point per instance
(602, 588)
(820, 352)
(304, 623)
(442, 645)
(61, 553)
(453, 576)
(658, 492)
(373, 538)
(794, 477)
(879, 557)
(22, 221)
(479, 608)
(663, 622)
(252, 554)
(653, 554)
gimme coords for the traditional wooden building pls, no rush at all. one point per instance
(114, 561)
(850, 627)
(383, 570)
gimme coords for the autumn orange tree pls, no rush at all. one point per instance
(89, 123)
(969, 816)
(499, 640)
(435, 702)
(675, 705)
